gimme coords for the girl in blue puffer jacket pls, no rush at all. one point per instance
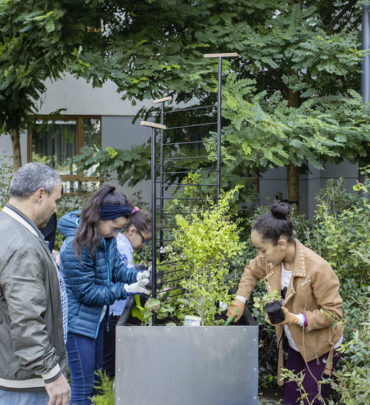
(95, 277)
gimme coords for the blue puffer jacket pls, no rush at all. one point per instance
(89, 279)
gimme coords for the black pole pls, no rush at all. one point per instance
(219, 106)
(154, 222)
(161, 191)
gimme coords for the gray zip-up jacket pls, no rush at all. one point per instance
(32, 349)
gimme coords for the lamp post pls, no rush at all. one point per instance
(365, 74)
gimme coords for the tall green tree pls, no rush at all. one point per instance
(293, 97)
(40, 40)
(301, 56)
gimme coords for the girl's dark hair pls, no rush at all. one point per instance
(87, 231)
(276, 223)
(142, 220)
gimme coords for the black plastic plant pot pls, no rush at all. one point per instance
(274, 312)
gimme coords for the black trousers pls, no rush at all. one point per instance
(109, 353)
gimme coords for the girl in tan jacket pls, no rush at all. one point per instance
(311, 302)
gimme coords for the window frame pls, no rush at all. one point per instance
(79, 141)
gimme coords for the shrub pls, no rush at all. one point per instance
(105, 391)
(341, 236)
(206, 240)
(6, 173)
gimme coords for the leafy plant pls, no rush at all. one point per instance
(343, 238)
(6, 173)
(145, 313)
(352, 379)
(272, 296)
(341, 235)
(206, 240)
(104, 389)
(298, 378)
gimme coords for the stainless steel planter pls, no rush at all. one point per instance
(159, 365)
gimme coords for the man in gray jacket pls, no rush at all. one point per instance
(32, 351)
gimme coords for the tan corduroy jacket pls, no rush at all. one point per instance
(313, 290)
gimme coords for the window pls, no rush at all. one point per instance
(55, 142)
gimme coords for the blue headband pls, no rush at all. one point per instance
(111, 211)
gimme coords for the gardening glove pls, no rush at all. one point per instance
(141, 275)
(137, 288)
(290, 319)
(233, 308)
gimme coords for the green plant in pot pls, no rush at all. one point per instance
(271, 303)
(207, 240)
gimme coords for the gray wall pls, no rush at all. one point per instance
(274, 181)
(6, 146)
(120, 133)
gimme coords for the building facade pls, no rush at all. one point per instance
(98, 116)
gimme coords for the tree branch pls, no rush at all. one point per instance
(346, 8)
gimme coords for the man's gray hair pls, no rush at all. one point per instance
(31, 177)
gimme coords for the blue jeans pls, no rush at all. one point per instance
(85, 357)
(23, 398)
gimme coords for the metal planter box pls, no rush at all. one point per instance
(179, 365)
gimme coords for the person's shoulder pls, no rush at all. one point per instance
(68, 223)
(123, 242)
(315, 262)
(12, 232)
(312, 256)
(259, 266)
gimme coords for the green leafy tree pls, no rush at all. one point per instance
(39, 41)
(264, 131)
(293, 98)
(302, 57)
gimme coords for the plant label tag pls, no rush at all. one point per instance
(191, 320)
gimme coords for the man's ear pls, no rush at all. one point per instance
(38, 195)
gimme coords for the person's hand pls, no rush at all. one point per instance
(56, 257)
(290, 319)
(137, 288)
(233, 308)
(141, 275)
(59, 391)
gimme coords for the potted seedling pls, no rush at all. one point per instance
(271, 303)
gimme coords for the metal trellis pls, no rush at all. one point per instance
(169, 141)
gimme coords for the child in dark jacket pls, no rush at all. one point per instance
(95, 277)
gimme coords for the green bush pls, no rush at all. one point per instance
(343, 238)
(207, 240)
(6, 174)
(340, 234)
(105, 391)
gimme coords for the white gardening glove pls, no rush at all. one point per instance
(141, 275)
(137, 288)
